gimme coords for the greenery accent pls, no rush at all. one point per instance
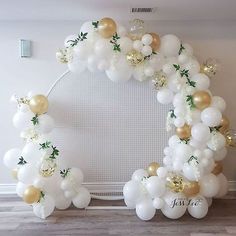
(116, 46)
(185, 140)
(45, 145)
(22, 161)
(95, 24)
(81, 37)
(55, 153)
(64, 172)
(149, 56)
(181, 48)
(215, 129)
(189, 100)
(35, 120)
(172, 114)
(193, 158)
(177, 67)
(42, 195)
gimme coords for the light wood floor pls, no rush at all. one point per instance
(16, 218)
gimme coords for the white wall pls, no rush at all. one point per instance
(209, 39)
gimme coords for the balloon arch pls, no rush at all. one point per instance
(192, 171)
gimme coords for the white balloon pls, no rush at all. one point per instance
(208, 164)
(224, 186)
(157, 61)
(168, 69)
(190, 173)
(188, 50)
(121, 30)
(202, 81)
(147, 39)
(149, 71)
(155, 186)
(183, 152)
(92, 63)
(132, 190)
(22, 120)
(208, 153)
(27, 174)
(11, 158)
(178, 100)
(173, 141)
(211, 116)
(195, 117)
(165, 96)
(219, 103)
(82, 50)
(217, 141)
(220, 154)
(45, 207)
(198, 207)
(158, 203)
(69, 194)
(87, 27)
(139, 174)
(170, 45)
(162, 172)
(146, 50)
(39, 183)
(46, 124)
(103, 65)
(192, 66)
(77, 66)
(62, 202)
(77, 175)
(20, 189)
(130, 204)
(103, 48)
(66, 184)
(175, 82)
(23, 107)
(145, 209)
(31, 153)
(179, 122)
(183, 58)
(138, 73)
(138, 45)
(209, 185)
(175, 205)
(200, 132)
(126, 44)
(82, 199)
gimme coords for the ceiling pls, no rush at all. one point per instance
(117, 9)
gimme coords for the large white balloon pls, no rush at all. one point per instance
(82, 50)
(209, 185)
(200, 132)
(82, 199)
(183, 152)
(11, 158)
(22, 120)
(192, 173)
(155, 186)
(211, 116)
(77, 66)
(31, 153)
(46, 124)
(198, 207)
(224, 186)
(219, 103)
(170, 45)
(175, 205)
(145, 209)
(126, 44)
(45, 207)
(165, 96)
(27, 174)
(202, 81)
(103, 48)
(132, 190)
(217, 141)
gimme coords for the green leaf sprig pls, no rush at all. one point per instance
(172, 114)
(116, 46)
(95, 24)
(45, 145)
(81, 37)
(181, 48)
(215, 129)
(185, 141)
(22, 161)
(35, 120)
(64, 172)
(193, 158)
(55, 153)
(190, 102)
(149, 56)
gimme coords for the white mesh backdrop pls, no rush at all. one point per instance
(107, 129)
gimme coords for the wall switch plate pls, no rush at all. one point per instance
(25, 48)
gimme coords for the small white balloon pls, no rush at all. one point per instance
(200, 132)
(219, 103)
(20, 189)
(198, 207)
(11, 158)
(132, 190)
(62, 202)
(138, 45)
(82, 199)
(46, 124)
(165, 96)
(158, 203)
(173, 141)
(130, 204)
(155, 186)
(66, 184)
(149, 71)
(183, 152)
(162, 172)
(201, 80)
(69, 194)
(220, 154)
(217, 141)
(179, 122)
(211, 116)
(147, 39)
(224, 186)
(145, 209)
(183, 58)
(146, 50)
(139, 175)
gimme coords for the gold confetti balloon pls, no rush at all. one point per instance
(38, 104)
(201, 99)
(175, 183)
(31, 195)
(134, 57)
(107, 27)
(230, 136)
(191, 188)
(152, 168)
(183, 132)
(210, 67)
(159, 80)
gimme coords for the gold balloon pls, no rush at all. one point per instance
(218, 168)
(191, 188)
(224, 124)
(38, 104)
(156, 41)
(31, 195)
(107, 27)
(201, 99)
(175, 183)
(134, 57)
(183, 132)
(230, 136)
(152, 168)
(14, 173)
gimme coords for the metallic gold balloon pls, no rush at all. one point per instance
(107, 27)
(152, 168)
(14, 173)
(201, 99)
(175, 183)
(183, 132)
(218, 168)
(31, 195)
(134, 57)
(191, 188)
(224, 124)
(156, 41)
(38, 104)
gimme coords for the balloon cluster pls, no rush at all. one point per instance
(36, 166)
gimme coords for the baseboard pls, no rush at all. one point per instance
(105, 187)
